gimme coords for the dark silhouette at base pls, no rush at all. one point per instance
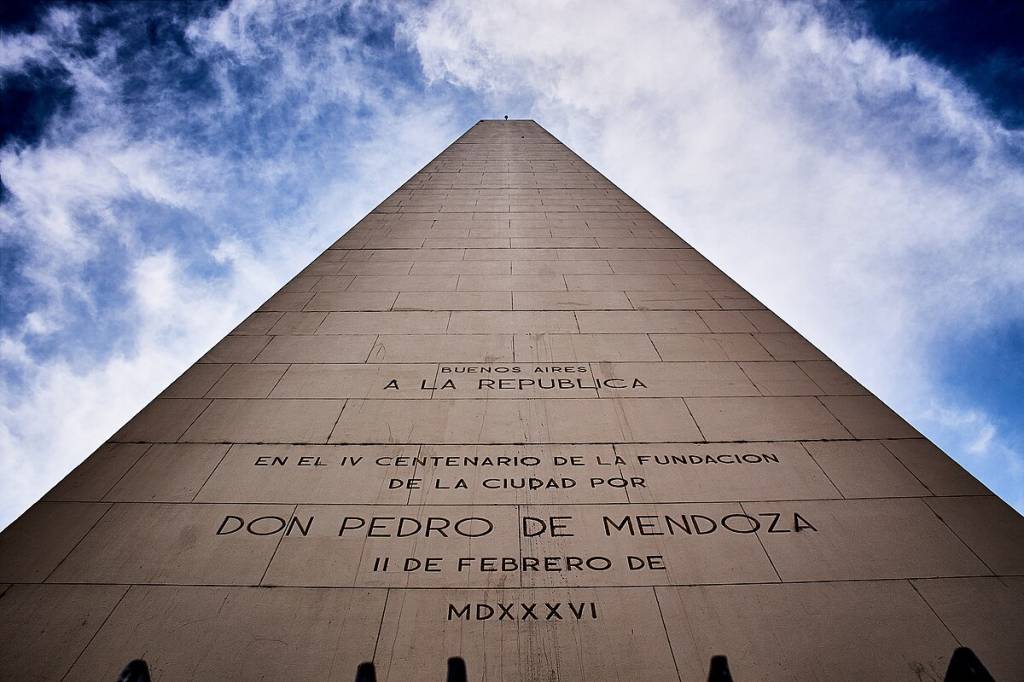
(964, 666)
(456, 670)
(366, 673)
(135, 671)
(719, 670)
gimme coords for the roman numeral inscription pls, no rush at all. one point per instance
(521, 611)
(511, 416)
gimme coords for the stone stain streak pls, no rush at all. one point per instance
(511, 417)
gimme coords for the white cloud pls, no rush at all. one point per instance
(788, 150)
(95, 182)
(863, 195)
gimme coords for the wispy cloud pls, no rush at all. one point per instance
(866, 196)
(193, 174)
(195, 157)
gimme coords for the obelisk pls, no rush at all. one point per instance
(511, 417)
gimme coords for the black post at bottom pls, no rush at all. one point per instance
(965, 666)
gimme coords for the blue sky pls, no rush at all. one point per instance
(165, 167)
